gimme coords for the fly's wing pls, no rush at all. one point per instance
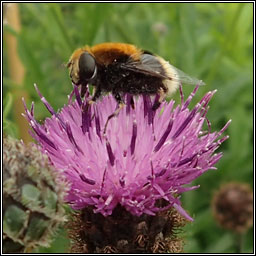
(185, 78)
(155, 66)
(148, 65)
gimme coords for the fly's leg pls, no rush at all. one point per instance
(96, 94)
(120, 106)
(84, 88)
(159, 100)
(132, 103)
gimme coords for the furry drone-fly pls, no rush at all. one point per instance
(122, 68)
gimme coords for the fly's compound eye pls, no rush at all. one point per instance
(87, 66)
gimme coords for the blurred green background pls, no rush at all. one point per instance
(210, 41)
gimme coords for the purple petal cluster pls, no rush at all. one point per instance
(144, 156)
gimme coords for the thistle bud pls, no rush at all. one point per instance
(32, 197)
(233, 207)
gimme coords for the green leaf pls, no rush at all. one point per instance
(8, 102)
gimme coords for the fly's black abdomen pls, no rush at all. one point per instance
(114, 77)
(140, 84)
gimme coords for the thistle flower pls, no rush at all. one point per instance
(144, 157)
(127, 181)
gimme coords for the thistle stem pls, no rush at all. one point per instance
(239, 241)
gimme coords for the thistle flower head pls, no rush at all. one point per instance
(232, 206)
(144, 157)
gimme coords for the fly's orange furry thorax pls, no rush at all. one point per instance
(106, 53)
